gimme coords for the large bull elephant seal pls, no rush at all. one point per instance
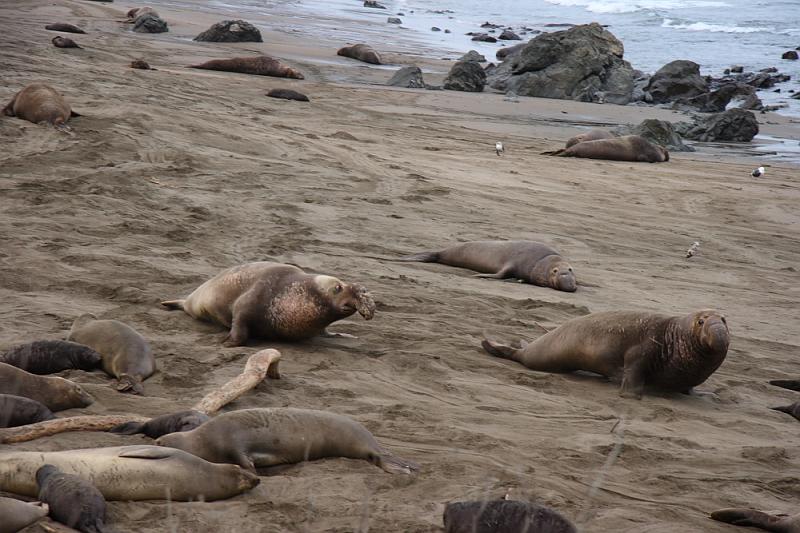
(51, 356)
(673, 353)
(274, 301)
(55, 393)
(16, 515)
(126, 354)
(259, 66)
(759, 519)
(503, 516)
(73, 501)
(40, 103)
(529, 261)
(20, 411)
(260, 438)
(130, 473)
(361, 52)
(627, 148)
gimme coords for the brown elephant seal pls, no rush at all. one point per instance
(17, 515)
(260, 438)
(126, 355)
(40, 103)
(64, 42)
(503, 516)
(130, 473)
(73, 501)
(361, 52)
(287, 94)
(66, 28)
(55, 393)
(591, 135)
(673, 353)
(793, 409)
(20, 411)
(759, 519)
(164, 424)
(791, 384)
(137, 12)
(274, 301)
(49, 357)
(627, 148)
(259, 66)
(529, 261)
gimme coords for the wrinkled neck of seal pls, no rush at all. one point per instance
(694, 348)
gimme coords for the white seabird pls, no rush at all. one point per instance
(757, 173)
(498, 147)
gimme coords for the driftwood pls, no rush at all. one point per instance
(259, 366)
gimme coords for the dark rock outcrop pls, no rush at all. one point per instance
(485, 38)
(658, 132)
(374, 4)
(509, 35)
(503, 53)
(734, 125)
(150, 23)
(410, 77)
(394, 20)
(231, 31)
(465, 76)
(679, 79)
(472, 55)
(791, 54)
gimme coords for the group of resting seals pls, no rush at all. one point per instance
(599, 144)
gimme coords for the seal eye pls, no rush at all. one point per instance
(570, 269)
(337, 289)
(724, 321)
(555, 271)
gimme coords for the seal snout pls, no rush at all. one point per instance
(715, 332)
(363, 301)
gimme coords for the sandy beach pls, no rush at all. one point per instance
(174, 174)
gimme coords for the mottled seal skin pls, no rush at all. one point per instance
(627, 148)
(40, 103)
(126, 355)
(274, 301)
(287, 94)
(361, 52)
(19, 411)
(62, 26)
(164, 424)
(16, 515)
(529, 261)
(259, 438)
(591, 135)
(259, 66)
(793, 409)
(49, 357)
(64, 42)
(55, 393)
(130, 473)
(759, 519)
(72, 501)
(504, 516)
(672, 353)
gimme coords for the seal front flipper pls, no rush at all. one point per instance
(502, 351)
(129, 384)
(174, 305)
(501, 274)
(791, 384)
(752, 518)
(633, 374)
(396, 465)
(147, 452)
(331, 334)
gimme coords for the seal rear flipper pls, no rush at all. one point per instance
(422, 257)
(130, 385)
(129, 428)
(749, 518)
(791, 384)
(73, 113)
(174, 304)
(397, 465)
(496, 349)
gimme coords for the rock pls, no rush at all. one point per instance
(150, 23)
(679, 79)
(472, 55)
(373, 3)
(656, 131)
(490, 25)
(231, 31)
(465, 76)
(582, 63)
(410, 77)
(287, 94)
(733, 125)
(394, 20)
(791, 54)
(434, 28)
(485, 38)
(769, 70)
(140, 64)
(447, 31)
(737, 69)
(710, 102)
(752, 102)
(509, 35)
(503, 53)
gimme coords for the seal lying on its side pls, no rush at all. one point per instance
(49, 357)
(164, 424)
(73, 501)
(628, 148)
(759, 519)
(591, 135)
(16, 515)
(63, 26)
(530, 261)
(274, 301)
(259, 66)
(503, 516)
(673, 353)
(54, 392)
(39, 103)
(259, 438)
(287, 94)
(361, 52)
(130, 473)
(64, 42)
(20, 411)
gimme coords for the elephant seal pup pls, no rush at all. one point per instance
(73, 501)
(55, 393)
(130, 473)
(40, 103)
(626, 148)
(49, 357)
(259, 66)
(673, 353)
(64, 42)
(126, 355)
(759, 519)
(287, 94)
(20, 411)
(591, 135)
(361, 52)
(17, 515)
(529, 261)
(259, 438)
(503, 515)
(66, 28)
(274, 301)
(164, 424)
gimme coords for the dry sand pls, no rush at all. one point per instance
(172, 175)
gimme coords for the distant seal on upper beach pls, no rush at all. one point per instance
(274, 301)
(126, 355)
(287, 94)
(627, 148)
(73, 501)
(51, 356)
(54, 392)
(20, 411)
(62, 26)
(529, 261)
(137, 12)
(40, 103)
(674, 353)
(361, 52)
(164, 424)
(64, 42)
(260, 438)
(259, 66)
(591, 135)
(503, 516)
(779, 523)
(18, 515)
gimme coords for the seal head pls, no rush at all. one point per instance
(346, 298)
(553, 271)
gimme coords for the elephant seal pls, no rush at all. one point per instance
(141, 64)
(66, 28)
(164, 424)
(503, 515)
(287, 94)
(361, 52)
(73, 501)
(274, 301)
(529, 261)
(793, 409)
(55, 393)
(591, 135)
(126, 355)
(759, 519)
(627, 148)
(64, 42)
(130, 473)
(673, 353)
(49, 357)
(259, 438)
(20, 411)
(137, 12)
(259, 66)
(39, 103)
(17, 515)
